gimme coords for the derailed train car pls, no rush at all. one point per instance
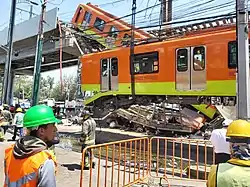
(190, 70)
(107, 29)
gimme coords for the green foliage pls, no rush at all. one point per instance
(68, 91)
(48, 88)
(23, 84)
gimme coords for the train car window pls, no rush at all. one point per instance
(87, 17)
(114, 66)
(78, 14)
(146, 63)
(232, 54)
(182, 60)
(104, 63)
(113, 32)
(99, 24)
(199, 58)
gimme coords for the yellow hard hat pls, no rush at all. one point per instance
(239, 128)
(19, 110)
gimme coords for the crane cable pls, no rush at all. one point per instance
(60, 53)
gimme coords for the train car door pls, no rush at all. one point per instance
(198, 68)
(109, 74)
(183, 69)
(114, 73)
(191, 68)
(105, 74)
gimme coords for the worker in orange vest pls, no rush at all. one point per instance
(29, 163)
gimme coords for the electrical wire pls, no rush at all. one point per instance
(55, 4)
(152, 9)
(117, 19)
(204, 10)
(146, 10)
(142, 18)
(156, 25)
(200, 12)
(208, 18)
(211, 18)
(195, 12)
(111, 3)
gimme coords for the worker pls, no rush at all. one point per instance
(87, 137)
(28, 163)
(236, 172)
(7, 117)
(18, 123)
(51, 145)
(221, 146)
(1, 124)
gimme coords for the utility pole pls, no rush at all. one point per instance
(38, 58)
(132, 50)
(166, 11)
(243, 102)
(7, 67)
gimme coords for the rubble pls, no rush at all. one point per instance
(158, 118)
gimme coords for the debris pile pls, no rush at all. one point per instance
(158, 118)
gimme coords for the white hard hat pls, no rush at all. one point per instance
(227, 122)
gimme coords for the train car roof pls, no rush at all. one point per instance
(115, 19)
(175, 39)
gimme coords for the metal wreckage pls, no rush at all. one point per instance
(169, 119)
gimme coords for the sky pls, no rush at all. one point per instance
(182, 10)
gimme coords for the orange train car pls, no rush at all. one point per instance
(198, 68)
(106, 28)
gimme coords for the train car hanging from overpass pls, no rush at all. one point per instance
(104, 27)
(194, 69)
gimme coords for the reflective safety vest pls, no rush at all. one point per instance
(230, 175)
(23, 172)
(88, 130)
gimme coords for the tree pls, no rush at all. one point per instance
(68, 91)
(46, 86)
(50, 81)
(23, 86)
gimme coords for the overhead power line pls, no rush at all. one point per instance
(128, 15)
(208, 18)
(189, 14)
(111, 3)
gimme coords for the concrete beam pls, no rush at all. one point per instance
(28, 28)
(49, 64)
(49, 47)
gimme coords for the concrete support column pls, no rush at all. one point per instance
(10, 92)
(243, 102)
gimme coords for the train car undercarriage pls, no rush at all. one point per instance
(156, 114)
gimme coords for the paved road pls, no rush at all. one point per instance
(68, 169)
(104, 135)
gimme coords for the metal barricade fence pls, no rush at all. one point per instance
(127, 162)
(120, 163)
(179, 158)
